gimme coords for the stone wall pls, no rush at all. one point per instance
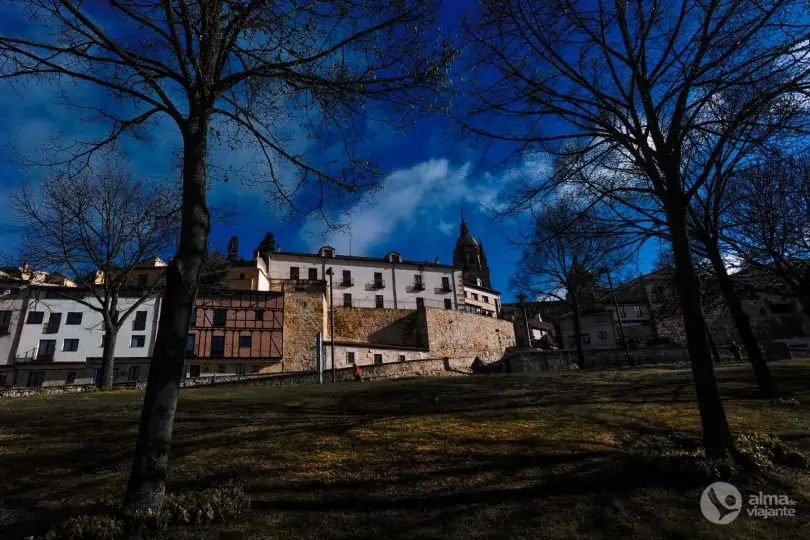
(304, 316)
(379, 326)
(457, 334)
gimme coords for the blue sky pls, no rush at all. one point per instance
(430, 178)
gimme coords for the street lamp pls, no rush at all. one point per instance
(521, 299)
(331, 321)
(606, 270)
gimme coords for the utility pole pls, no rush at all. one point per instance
(331, 320)
(606, 270)
(521, 299)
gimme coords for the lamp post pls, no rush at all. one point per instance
(521, 299)
(606, 270)
(331, 321)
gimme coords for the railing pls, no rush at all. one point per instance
(415, 287)
(376, 284)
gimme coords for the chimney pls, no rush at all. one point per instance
(233, 248)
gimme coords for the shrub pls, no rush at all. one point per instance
(763, 451)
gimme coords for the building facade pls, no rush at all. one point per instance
(365, 282)
(60, 339)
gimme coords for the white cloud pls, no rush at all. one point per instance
(409, 197)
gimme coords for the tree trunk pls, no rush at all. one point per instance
(578, 332)
(716, 435)
(713, 346)
(108, 357)
(762, 373)
(147, 481)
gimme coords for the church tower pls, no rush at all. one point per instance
(470, 257)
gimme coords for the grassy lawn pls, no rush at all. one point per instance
(468, 457)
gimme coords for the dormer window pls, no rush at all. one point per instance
(394, 257)
(326, 251)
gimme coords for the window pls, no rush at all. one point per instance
(35, 317)
(35, 378)
(221, 368)
(378, 301)
(220, 315)
(46, 349)
(401, 357)
(448, 304)
(190, 344)
(259, 315)
(350, 357)
(134, 373)
(622, 313)
(245, 342)
(5, 322)
(293, 272)
(313, 274)
(637, 310)
(240, 369)
(347, 300)
(420, 303)
(70, 345)
(71, 377)
(254, 368)
(602, 335)
(137, 342)
(53, 324)
(378, 281)
(218, 346)
(485, 298)
(378, 359)
(347, 278)
(445, 283)
(140, 321)
(74, 317)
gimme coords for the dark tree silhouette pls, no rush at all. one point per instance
(97, 227)
(236, 72)
(648, 97)
(565, 255)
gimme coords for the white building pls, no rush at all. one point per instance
(60, 339)
(367, 282)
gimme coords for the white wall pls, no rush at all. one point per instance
(88, 333)
(398, 278)
(7, 341)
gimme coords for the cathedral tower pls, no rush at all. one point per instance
(470, 257)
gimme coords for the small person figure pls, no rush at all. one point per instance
(358, 375)
(735, 351)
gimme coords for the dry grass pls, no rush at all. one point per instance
(477, 457)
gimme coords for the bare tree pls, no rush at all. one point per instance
(96, 227)
(235, 71)
(565, 255)
(638, 91)
(768, 222)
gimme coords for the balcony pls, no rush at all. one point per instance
(416, 286)
(346, 282)
(375, 285)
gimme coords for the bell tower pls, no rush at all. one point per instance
(470, 257)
